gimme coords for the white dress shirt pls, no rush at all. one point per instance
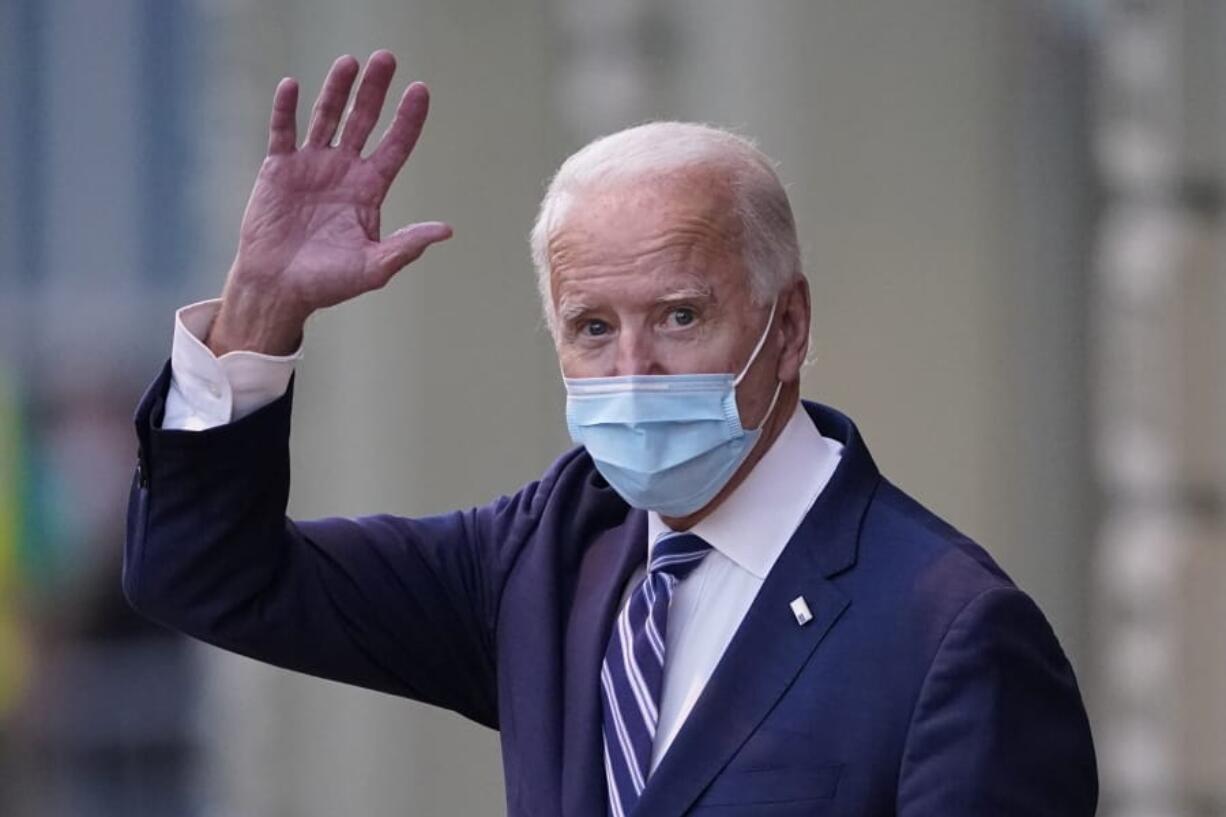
(207, 391)
(747, 532)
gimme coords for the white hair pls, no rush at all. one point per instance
(769, 246)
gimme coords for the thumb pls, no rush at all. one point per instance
(404, 246)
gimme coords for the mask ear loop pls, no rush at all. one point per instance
(771, 408)
(761, 343)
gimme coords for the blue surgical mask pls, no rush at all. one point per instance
(666, 443)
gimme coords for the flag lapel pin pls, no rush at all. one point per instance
(800, 609)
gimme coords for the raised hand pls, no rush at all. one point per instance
(310, 234)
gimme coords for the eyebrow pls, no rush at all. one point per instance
(700, 292)
(571, 307)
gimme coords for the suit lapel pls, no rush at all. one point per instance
(763, 659)
(770, 647)
(607, 566)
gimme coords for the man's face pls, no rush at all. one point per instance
(648, 278)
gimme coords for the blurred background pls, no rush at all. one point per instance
(1012, 222)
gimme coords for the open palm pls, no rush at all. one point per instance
(311, 229)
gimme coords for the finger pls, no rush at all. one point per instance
(282, 129)
(331, 102)
(368, 103)
(404, 246)
(401, 135)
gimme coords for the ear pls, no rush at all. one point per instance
(794, 327)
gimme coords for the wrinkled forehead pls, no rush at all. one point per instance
(676, 230)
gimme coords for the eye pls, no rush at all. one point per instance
(683, 316)
(594, 328)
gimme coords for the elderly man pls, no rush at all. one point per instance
(713, 605)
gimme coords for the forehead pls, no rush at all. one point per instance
(647, 236)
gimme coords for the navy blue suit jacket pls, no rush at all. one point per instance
(926, 683)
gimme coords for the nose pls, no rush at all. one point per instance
(636, 354)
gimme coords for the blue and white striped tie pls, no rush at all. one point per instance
(633, 669)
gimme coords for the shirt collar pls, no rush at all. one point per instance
(754, 523)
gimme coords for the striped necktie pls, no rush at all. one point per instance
(633, 669)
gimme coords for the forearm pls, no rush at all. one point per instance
(393, 604)
(211, 553)
(256, 316)
(206, 515)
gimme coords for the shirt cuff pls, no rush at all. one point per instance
(208, 391)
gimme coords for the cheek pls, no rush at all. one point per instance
(577, 360)
(697, 356)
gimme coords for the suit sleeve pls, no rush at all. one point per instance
(999, 729)
(404, 606)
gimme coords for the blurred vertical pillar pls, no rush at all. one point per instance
(439, 391)
(612, 73)
(1046, 288)
(1144, 532)
(1202, 700)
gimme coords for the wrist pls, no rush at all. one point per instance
(256, 319)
